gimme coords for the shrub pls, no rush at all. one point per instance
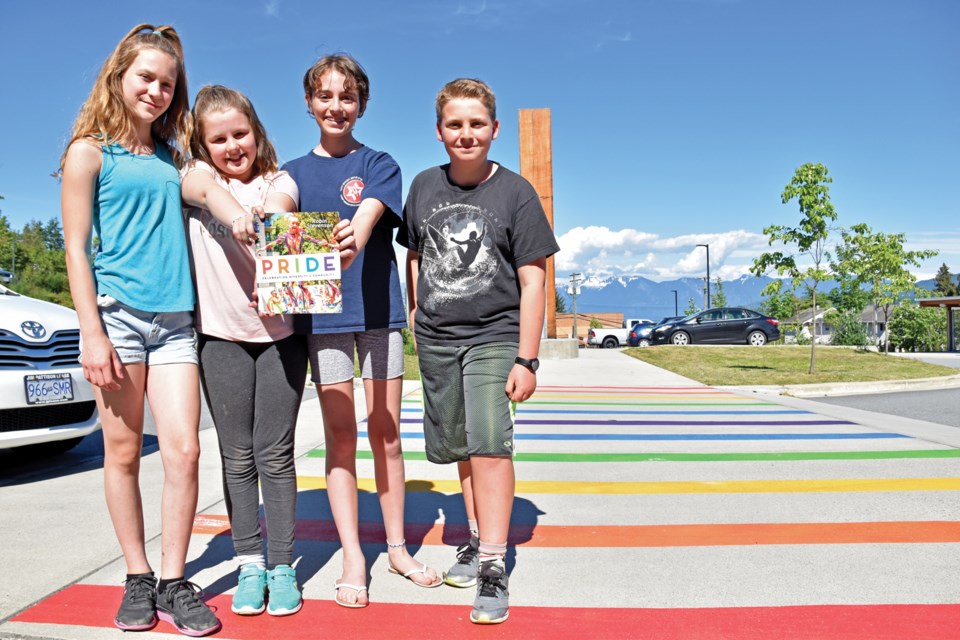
(847, 329)
(915, 328)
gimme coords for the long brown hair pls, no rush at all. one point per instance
(105, 118)
(215, 98)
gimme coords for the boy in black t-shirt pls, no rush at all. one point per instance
(477, 241)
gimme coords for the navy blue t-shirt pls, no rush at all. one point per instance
(371, 286)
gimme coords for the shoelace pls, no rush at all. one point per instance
(466, 553)
(489, 585)
(187, 596)
(140, 588)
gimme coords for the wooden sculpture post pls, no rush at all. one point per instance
(536, 165)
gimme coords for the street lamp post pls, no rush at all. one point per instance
(707, 247)
(674, 301)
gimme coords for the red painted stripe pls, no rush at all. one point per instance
(95, 606)
(683, 535)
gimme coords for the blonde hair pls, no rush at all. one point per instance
(355, 78)
(216, 98)
(467, 88)
(106, 118)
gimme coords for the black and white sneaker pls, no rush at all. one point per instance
(138, 609)
(492, 604)
(180, 605)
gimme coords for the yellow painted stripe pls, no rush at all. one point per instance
(839, 485)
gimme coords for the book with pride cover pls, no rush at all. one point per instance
(298, 263)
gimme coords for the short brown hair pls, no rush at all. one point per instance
(356, 77)
(467, 88)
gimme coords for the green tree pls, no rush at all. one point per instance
(946, 285)
(561, 302)
(691, 307)
(916, 328)
(595, 323)
(849, 296)
(809, 188)
(779, 303)
(718, 298)
(879, 260)
(43, 273)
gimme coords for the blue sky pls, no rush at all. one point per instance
(675, 122)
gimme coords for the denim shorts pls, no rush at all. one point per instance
(148, 336)
(466, 411)
(379, 351)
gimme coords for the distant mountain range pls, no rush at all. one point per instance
(639, 297)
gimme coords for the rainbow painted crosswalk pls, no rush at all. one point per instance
(650, 512)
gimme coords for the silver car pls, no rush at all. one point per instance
(44, 399)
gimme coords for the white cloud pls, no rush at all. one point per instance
(601, 251)
(272, 8)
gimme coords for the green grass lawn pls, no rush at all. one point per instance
(776, 365)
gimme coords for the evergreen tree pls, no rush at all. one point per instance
(946, 285)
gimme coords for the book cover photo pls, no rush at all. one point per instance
(298, 263)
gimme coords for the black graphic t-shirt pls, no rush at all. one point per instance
(471, 242)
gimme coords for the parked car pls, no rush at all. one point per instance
(612, 337)
(45, 402)
(5, 276)
(726, 325)
(640, 334)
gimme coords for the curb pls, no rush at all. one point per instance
(853, 388)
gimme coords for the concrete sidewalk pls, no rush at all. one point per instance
(648, 506)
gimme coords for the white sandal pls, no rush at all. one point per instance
(349, 605)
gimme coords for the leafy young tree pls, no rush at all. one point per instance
(779, 303)
(847, 328)
(718, 297)
(809, 188)
(849, 296)
(595, 322)
(946, 285)
(691, 307)
(879, 260)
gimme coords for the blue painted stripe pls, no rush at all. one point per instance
(651, 413)
(684, 436)
(671, 423)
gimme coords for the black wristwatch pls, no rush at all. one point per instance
(533, 364)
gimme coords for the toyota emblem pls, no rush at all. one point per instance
(33, 329)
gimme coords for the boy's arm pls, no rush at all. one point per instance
(360, 228)
(278, 202)
(199, 189)
(521, 383)
(413, 272)
(101, 364)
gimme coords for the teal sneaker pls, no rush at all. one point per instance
(251, 588)
(284, 594)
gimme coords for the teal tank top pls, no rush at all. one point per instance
(142, 260)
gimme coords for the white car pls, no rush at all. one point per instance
(44, 398)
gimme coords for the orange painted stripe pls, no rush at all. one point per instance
(666, 535)
(94, 606)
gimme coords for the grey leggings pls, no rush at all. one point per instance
(253, 391)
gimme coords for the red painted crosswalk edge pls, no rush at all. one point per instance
(95, 606)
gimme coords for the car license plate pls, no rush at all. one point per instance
(47, 388)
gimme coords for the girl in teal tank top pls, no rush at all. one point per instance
(121, 180)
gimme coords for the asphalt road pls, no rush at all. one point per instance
(941, 406)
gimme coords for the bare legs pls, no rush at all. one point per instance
(383, 426)
(488, 485)
(174, 395)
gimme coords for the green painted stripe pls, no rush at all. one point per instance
(696, 457)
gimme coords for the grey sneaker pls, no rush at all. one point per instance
(464, 571)
(180, 605)
(138, 609)
(492, 604)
